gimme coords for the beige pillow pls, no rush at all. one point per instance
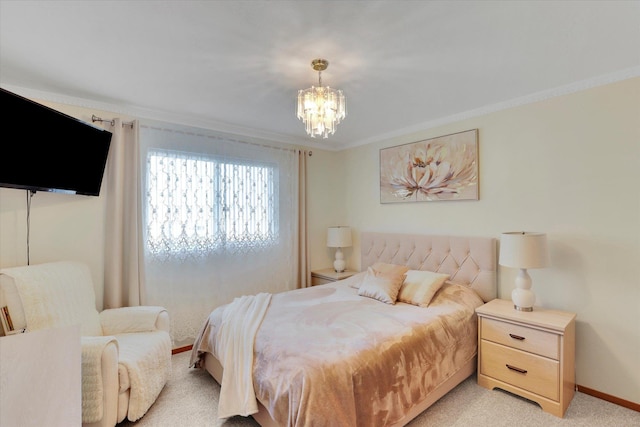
(381, 267)
(419, 287)
(381, 286)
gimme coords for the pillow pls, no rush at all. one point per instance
(419, 287)
(381, 286)
(381, 267)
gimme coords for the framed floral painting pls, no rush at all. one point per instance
(442, 168)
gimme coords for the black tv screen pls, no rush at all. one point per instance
(49, 150)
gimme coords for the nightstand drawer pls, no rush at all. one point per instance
(319, 281)
(534, 373)
(328, 275)
(531, 340)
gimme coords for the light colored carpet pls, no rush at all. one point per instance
(190, 398)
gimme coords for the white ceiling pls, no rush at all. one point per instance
(237, 65)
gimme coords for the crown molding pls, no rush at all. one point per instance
(606, 79)
(158, 115)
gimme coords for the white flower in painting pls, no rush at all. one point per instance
(433, 170)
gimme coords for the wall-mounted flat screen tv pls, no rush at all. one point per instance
(49, 150)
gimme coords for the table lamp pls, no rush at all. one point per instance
(339, 237)
(523, 250)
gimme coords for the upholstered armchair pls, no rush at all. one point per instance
(126, 352)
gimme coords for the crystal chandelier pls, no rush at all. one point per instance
(321, 108)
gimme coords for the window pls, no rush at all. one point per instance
(220, 220)
(199, 205)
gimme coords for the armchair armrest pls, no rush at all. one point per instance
(163, 322)
(134, 319)
(99, 379)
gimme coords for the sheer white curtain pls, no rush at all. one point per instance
(123, 266)
(220, 221)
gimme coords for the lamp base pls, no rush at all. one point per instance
(522, 296)
(339, 265)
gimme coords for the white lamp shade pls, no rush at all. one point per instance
(339, 237)
(523, 249)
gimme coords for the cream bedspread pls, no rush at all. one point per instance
(326, 356)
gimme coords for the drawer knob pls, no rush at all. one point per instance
(519, 370)
(516, 337)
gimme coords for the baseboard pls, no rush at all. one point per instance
(586, 390)
(620, 402)
(181, 349)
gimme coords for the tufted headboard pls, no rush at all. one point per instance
(470, 261)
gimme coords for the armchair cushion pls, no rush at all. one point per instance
(147, 357)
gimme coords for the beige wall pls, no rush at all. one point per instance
(62, 226)
(567, 166)
(326, 205)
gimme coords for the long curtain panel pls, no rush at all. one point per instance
(124, 269)
(220, 220)
(304, 270)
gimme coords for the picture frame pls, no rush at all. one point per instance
(5, 319)
(7, 323)
(434, 169)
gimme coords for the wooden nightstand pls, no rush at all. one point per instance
(531, 354)
(327, 275)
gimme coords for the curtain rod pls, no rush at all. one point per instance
(212, 135)
(95, 118)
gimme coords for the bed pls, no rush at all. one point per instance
(334, 355)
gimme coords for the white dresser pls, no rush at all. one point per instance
(40, 378)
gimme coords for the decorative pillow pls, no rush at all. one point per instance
(419, 287)
(381, 267)
(381, 286)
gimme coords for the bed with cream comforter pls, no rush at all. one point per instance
(327, 356)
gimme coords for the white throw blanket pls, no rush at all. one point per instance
(234, 349)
